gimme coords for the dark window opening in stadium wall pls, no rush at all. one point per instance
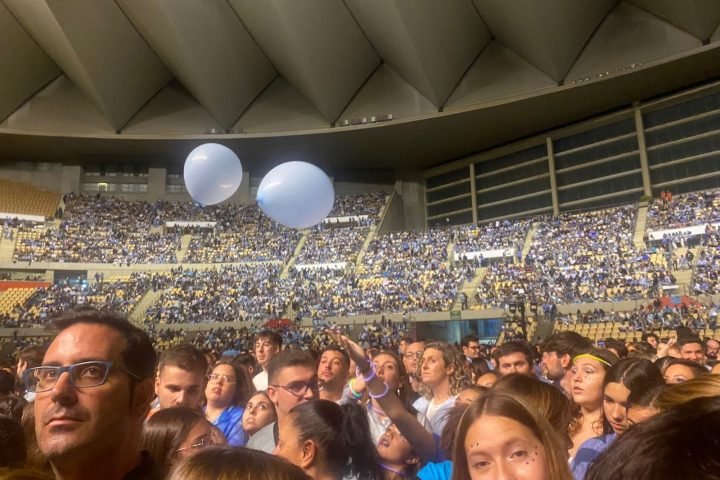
(610, 188)
(596, 135)
(449, 177)
(510, 192)
(450, 206)
(448, 192)
(511, 160)
(513, 174)
(534, 205)
(456, 218)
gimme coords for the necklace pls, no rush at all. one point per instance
(390, 469)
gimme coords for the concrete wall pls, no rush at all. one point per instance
(410, 186)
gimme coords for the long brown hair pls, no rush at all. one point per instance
(236, 463)
(166, 430)
(502, 404)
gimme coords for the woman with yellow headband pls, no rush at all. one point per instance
(589, 371)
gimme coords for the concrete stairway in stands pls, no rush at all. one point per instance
(639, 235)
(468, 288)
(7, 247)
(184, 245)
(370, 237)
(137, 314)
(298, 249)
(529, 239)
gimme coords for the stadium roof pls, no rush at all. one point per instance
(281, 78)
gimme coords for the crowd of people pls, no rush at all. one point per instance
(99, 400)
(686, 210)
(579, 258)
(228, 294)
(121, 294)
(498, 235)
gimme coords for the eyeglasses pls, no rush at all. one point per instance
(214, 377)
(299, 388)
(410, 355)
(82, 375)
(202, 442)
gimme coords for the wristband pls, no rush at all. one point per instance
(353, 392)
(368, 378)
(380, 395)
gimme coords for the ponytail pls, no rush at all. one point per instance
(342, 436)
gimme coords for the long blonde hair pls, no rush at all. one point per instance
(235, 463)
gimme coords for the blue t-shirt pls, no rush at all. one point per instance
(230, 423)
(588, 452)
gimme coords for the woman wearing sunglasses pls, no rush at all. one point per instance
(228, 390)
(173, 434)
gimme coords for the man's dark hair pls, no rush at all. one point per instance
(688, 340)
(618, 346)
(343, 353)
(647, 335)
(467, 339)
(508, 348)
(185, 357)
(407, 340)
(138, 355)
(567, 343)
(288, 358)
(271, 335)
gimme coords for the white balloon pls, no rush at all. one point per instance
(296, 194)
(212, 173)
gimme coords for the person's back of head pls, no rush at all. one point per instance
(234, 463)
(675, 395)
(617, 347)
(340, 436)
(566, 343)
(12, 443)
(681, 442)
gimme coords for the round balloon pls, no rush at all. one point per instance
(212, 173)
(296, 194)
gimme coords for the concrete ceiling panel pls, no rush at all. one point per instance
(430, 44)
(173, 111)
(716, 36)
(24, 67)
(93, 42)
(629, 36)
(279, 108)
(699, 17)
(387, 93)
(317, 46)
(59, 108)
(208, 49)
(547, 33)
(497, 74)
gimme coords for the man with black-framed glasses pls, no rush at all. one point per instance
(93, 391)
(292, 380)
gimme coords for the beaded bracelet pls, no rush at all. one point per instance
(353, 392)
(380, 395)
(358, 373)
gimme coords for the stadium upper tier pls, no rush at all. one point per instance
(347, 269)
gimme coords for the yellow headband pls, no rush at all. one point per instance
(588, 355)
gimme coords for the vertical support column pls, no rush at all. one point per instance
(553, 180)
(642, 148)
(410, 185)
(473, 194)
(71, 175)
(156, 184)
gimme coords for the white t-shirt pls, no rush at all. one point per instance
(261, 381)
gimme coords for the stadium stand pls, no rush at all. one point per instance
(24, 199)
